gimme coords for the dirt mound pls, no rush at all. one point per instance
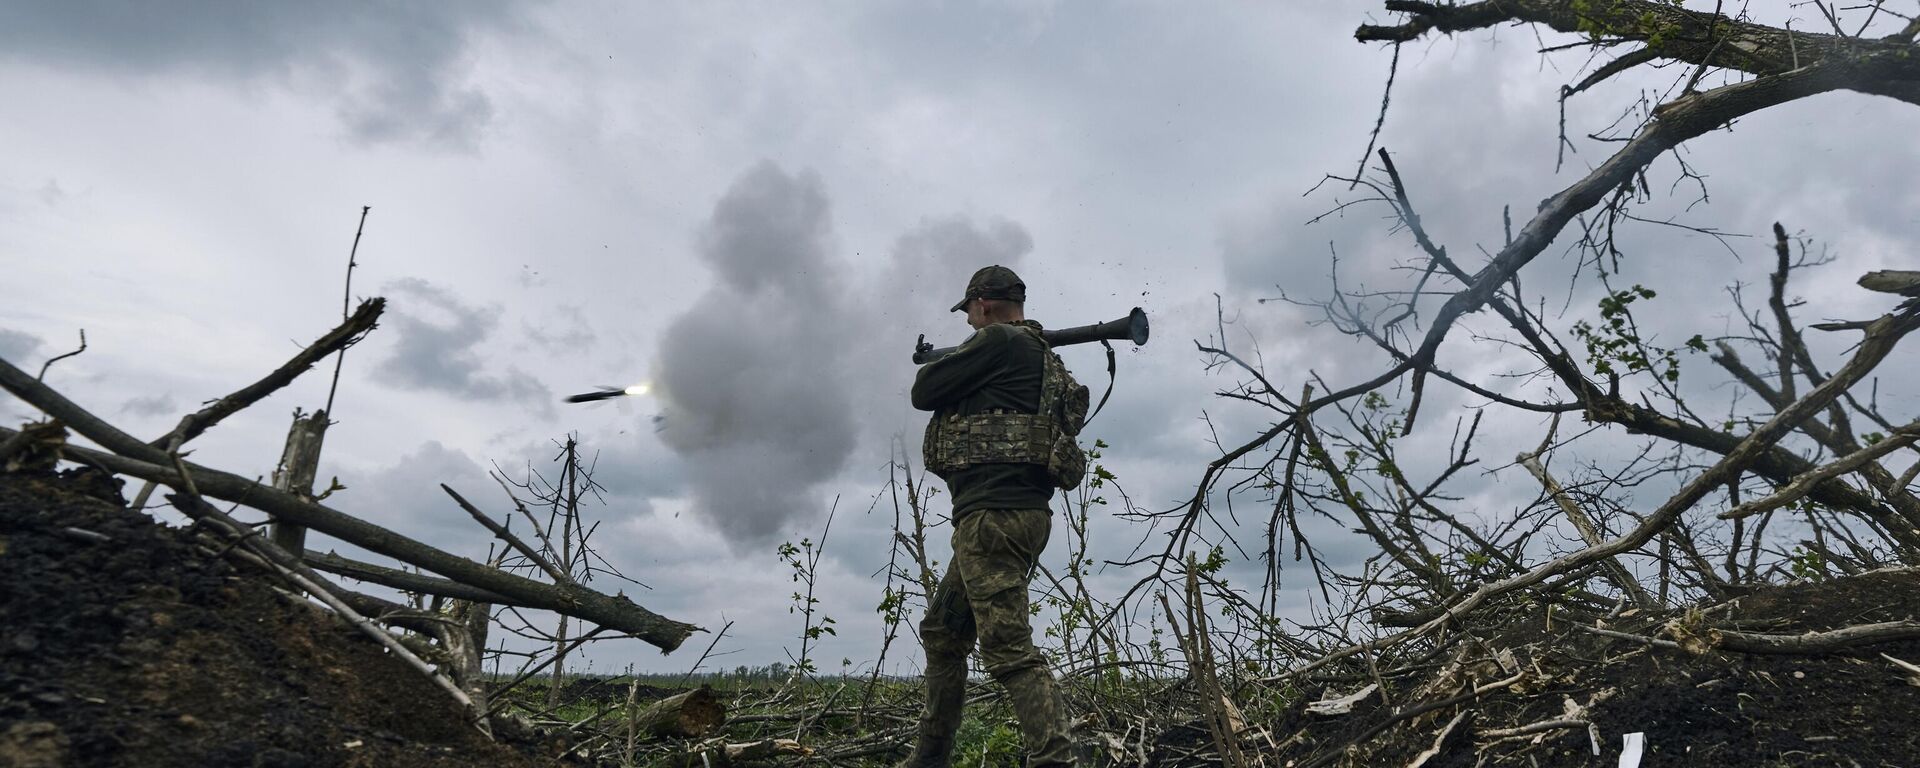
(1672, 676)
(122, 644)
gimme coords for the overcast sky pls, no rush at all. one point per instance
(758, 207)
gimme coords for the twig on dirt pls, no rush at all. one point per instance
(1913, 670)
(1472, 692)
(83, 534)
(1501, 734)
(1653, 641)
(50, 361)
(1815, 643)
(1906, 665)
(1439, 741)
(1572, 716)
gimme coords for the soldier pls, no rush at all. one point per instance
(987, 439)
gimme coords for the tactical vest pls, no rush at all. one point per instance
(997, 436)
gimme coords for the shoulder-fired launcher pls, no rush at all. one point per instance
(1132, 327)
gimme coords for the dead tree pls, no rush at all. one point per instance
(1693, 497)
(1594, 537)
(564, 542)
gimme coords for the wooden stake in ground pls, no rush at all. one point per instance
(298, 464)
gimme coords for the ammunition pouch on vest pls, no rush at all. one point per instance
(997, 436)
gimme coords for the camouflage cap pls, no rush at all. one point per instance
(995, 282)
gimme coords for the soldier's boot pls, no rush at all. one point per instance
(1044, 727)
(933, 746)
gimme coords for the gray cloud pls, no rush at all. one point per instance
(51, 193)
(393, 71)
(15, 346)
(150, 405)
(564, 327)
(406, 497)
(435, 349)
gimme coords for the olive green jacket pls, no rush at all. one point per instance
(998, 367)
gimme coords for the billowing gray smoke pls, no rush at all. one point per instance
(792, 360)
(751, 378)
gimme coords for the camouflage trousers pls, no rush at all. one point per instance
(983, 597)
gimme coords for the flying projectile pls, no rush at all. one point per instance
(607, 393)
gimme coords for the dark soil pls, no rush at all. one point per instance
(1696, 708)
(140, 650)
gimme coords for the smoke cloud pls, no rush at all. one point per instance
(794, 364)
(751, 378)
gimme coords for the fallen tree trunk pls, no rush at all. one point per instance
(405, 581)
(134, 457)
(617, 613)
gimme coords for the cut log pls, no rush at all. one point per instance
(689, 715)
